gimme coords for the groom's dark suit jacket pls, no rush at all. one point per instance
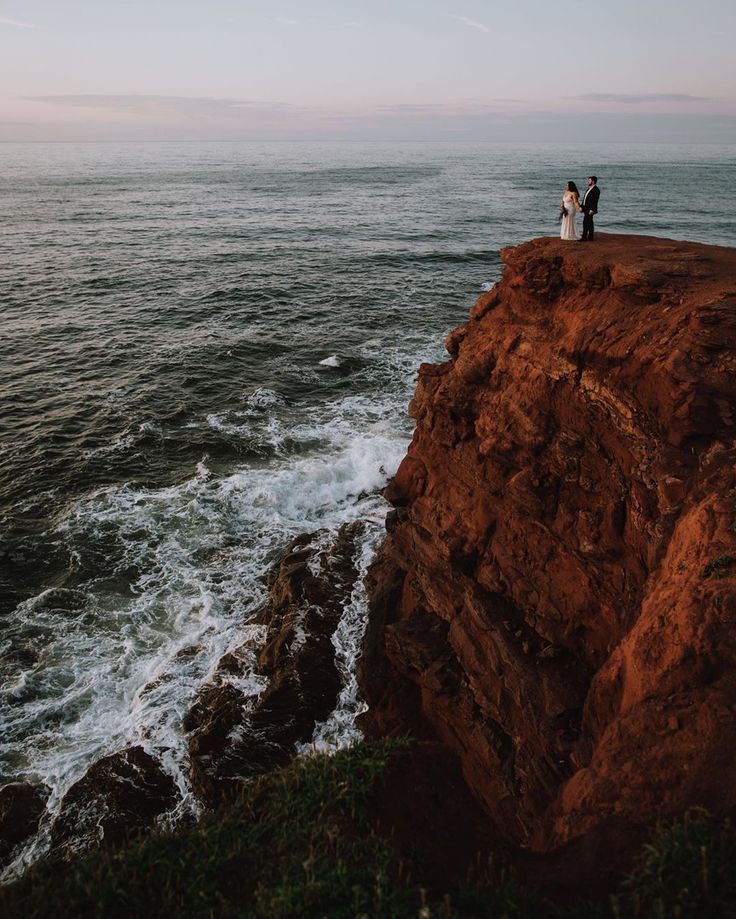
(591, 200)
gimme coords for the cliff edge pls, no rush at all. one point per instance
(555, 599)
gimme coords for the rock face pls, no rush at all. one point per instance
(237, 732)
(556, 596)
(21, 807)
(118, 796)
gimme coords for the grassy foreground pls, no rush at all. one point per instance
(302, 843)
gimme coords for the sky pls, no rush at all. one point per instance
(503, 70)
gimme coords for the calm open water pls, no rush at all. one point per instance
(206, 349)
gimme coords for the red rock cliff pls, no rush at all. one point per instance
(556, 596)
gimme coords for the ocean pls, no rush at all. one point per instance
(207, 349)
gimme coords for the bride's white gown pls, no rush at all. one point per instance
(567, 225)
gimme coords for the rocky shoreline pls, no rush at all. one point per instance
(264, 698)
(551, 610)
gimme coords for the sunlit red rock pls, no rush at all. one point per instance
(556, 595)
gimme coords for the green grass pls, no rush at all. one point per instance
(297, 843)
(301, 843)
(686, 872)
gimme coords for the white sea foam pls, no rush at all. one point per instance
(115, 670)
(262, 397)
(179, 573)
(340, 729)
(332, 361)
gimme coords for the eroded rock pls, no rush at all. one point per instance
(236, 734)
(541, 601)
(21, 808)
(118, 796)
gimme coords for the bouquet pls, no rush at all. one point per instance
(563, 213)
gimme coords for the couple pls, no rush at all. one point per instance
(570, 203)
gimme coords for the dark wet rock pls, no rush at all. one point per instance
(236, 736)
(118, 796)
(21, 807)
(58, 600)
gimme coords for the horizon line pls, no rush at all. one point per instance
(385, 140)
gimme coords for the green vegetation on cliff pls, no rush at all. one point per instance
(305, 842)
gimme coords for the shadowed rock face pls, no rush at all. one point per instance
(21, 807)
(118, 796)
(556, 595)
(234, 735)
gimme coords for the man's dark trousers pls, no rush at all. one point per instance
(588, 228)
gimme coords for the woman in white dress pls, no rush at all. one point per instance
(569, 206)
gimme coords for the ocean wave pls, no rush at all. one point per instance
(436, 256)
(172, 576)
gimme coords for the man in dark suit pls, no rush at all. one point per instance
(589, 207)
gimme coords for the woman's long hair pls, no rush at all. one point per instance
(571, 186)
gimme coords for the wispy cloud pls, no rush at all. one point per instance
(471, 23)
(133, 117)
(407, 108)
(282, 20)
(140, 104)
(4, 21)
(200, 109)
(470, 108)
(639, 98)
